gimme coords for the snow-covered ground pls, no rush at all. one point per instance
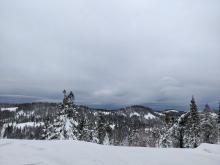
(69, 152)
(11, 109)
(28, 124)
(149, 116)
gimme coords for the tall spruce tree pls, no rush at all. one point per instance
(194, 112)
(207, 128)
(218, 123)
(195, 125)
(219, 114)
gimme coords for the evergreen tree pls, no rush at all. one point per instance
(71, 96)
(207, 126)
(68, 100)
(194, 112)
(101, 129)
(207, 112)
(219, 114)
(218, 123)
(195, 125)
(64, 97)
(207, 108)
(64, 92)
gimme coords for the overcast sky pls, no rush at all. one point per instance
(110, 52)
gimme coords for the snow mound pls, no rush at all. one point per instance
(68, 152)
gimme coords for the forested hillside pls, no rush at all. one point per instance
(130, 126)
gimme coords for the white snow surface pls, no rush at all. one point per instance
(11, 109)
(149, 116)
(158, 113)
(69, 152)
(112, 126)
(171, 110)
(22, 125)
(134, 114)
(28, 124)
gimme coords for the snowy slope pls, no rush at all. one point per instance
(11, 109)
(69, 152)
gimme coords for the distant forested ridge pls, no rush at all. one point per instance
(131, 126)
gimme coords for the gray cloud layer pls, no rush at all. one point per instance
(116, 52)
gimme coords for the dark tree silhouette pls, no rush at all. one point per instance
(194, 122)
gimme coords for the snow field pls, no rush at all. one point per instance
(70, 152)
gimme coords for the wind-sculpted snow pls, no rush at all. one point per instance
(69, 152)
